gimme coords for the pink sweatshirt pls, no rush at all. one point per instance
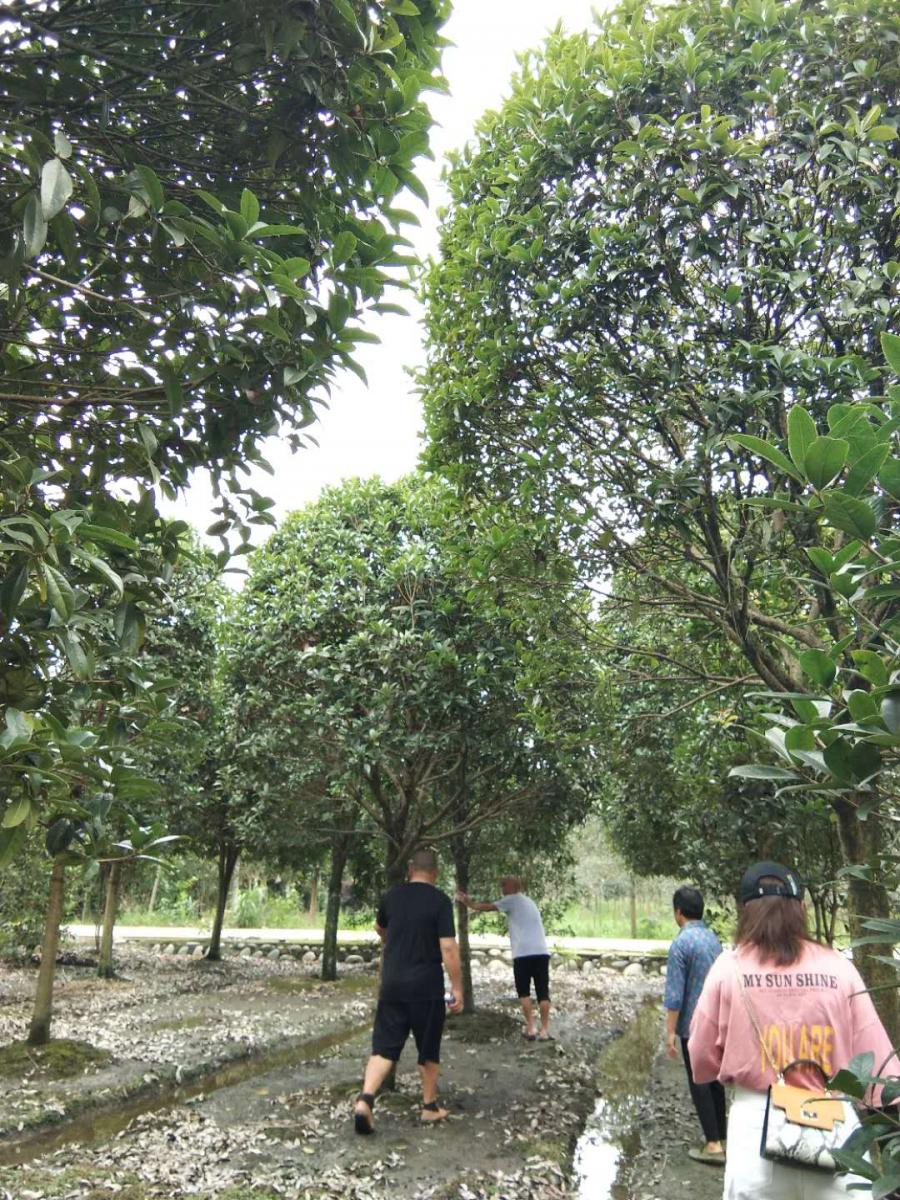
(806, 1010)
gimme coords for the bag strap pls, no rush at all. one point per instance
(806, 1062)
(779, 1074)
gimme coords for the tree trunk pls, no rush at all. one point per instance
(314, 897)
(632, 909)
(154, 891)
(39, 1030)
(228, 857)
(105, 967)
(861, 843)
(333, 908)
(461, 870)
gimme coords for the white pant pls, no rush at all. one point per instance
(749, 1176)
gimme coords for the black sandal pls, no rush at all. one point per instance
(432, 1106)
(361, 1122)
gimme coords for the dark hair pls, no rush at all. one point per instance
(775, 925)
(689, 902)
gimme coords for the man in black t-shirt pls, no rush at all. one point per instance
(415, 923)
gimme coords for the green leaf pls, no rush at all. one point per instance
(34, 227)
(890, 712)
(761, 771)
(865, 468)
(890, 344)
(850, 515)
(112, 537)
(821, 559)
(13, 587)
(56, 188)
(11, 841)
(103, 569)
(889, 478)
(151, 188)
(18, 811)
(766, 450)
(818, 667)
(249, 207)
(882, 133)
(62, 145)
(801, 435)
(344, 245)
(824, 459)
(861, 705)
(59, 591)
(82, 664)
(871, 667)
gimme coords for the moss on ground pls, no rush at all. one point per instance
(482, 1027)
(303, 983)
(58, 1059)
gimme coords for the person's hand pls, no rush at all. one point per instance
(454, 1004)
(671, 1047)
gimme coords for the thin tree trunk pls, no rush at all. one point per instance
(154, 891)
(861, 843)
(461, 870)
(314, 897)
(39, 1030)
(632, 908)
(228, 857)
(339, 851)
(105, 968)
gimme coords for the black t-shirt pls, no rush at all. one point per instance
(416, 916)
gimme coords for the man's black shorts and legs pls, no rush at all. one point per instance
(534, 967)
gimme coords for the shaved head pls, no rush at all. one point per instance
(424, 861)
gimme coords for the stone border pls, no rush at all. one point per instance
(633, 963)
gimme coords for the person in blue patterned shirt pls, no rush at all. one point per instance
(693, 952)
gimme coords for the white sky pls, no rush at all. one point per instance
(376, 430)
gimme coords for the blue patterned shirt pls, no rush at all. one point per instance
(690, 956)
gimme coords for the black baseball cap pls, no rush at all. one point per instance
(788, 885)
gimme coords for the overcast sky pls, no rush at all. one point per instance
(376, 430)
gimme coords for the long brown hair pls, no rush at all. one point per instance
(775, 925)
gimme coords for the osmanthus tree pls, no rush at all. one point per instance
(676, 230)
(196, 202)
(366, 666)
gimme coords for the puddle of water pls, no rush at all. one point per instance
(103, 1124)
(611, 1138)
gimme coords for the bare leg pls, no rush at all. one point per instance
(544, 1006)
(528, 1014)
(429, 1072)
(377, 1070)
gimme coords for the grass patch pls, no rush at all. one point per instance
(291, 984)
(179, 1023)
(59, 1059)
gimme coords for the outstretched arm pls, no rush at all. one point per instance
(476, 905)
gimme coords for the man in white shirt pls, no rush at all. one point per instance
(531, 954)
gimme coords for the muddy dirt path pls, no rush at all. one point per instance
(282, 1127)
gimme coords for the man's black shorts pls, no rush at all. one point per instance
(536, 967)
(396, 1019)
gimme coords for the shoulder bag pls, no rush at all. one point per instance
(802, 1126)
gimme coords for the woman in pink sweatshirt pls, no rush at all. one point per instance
(807, 1001)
